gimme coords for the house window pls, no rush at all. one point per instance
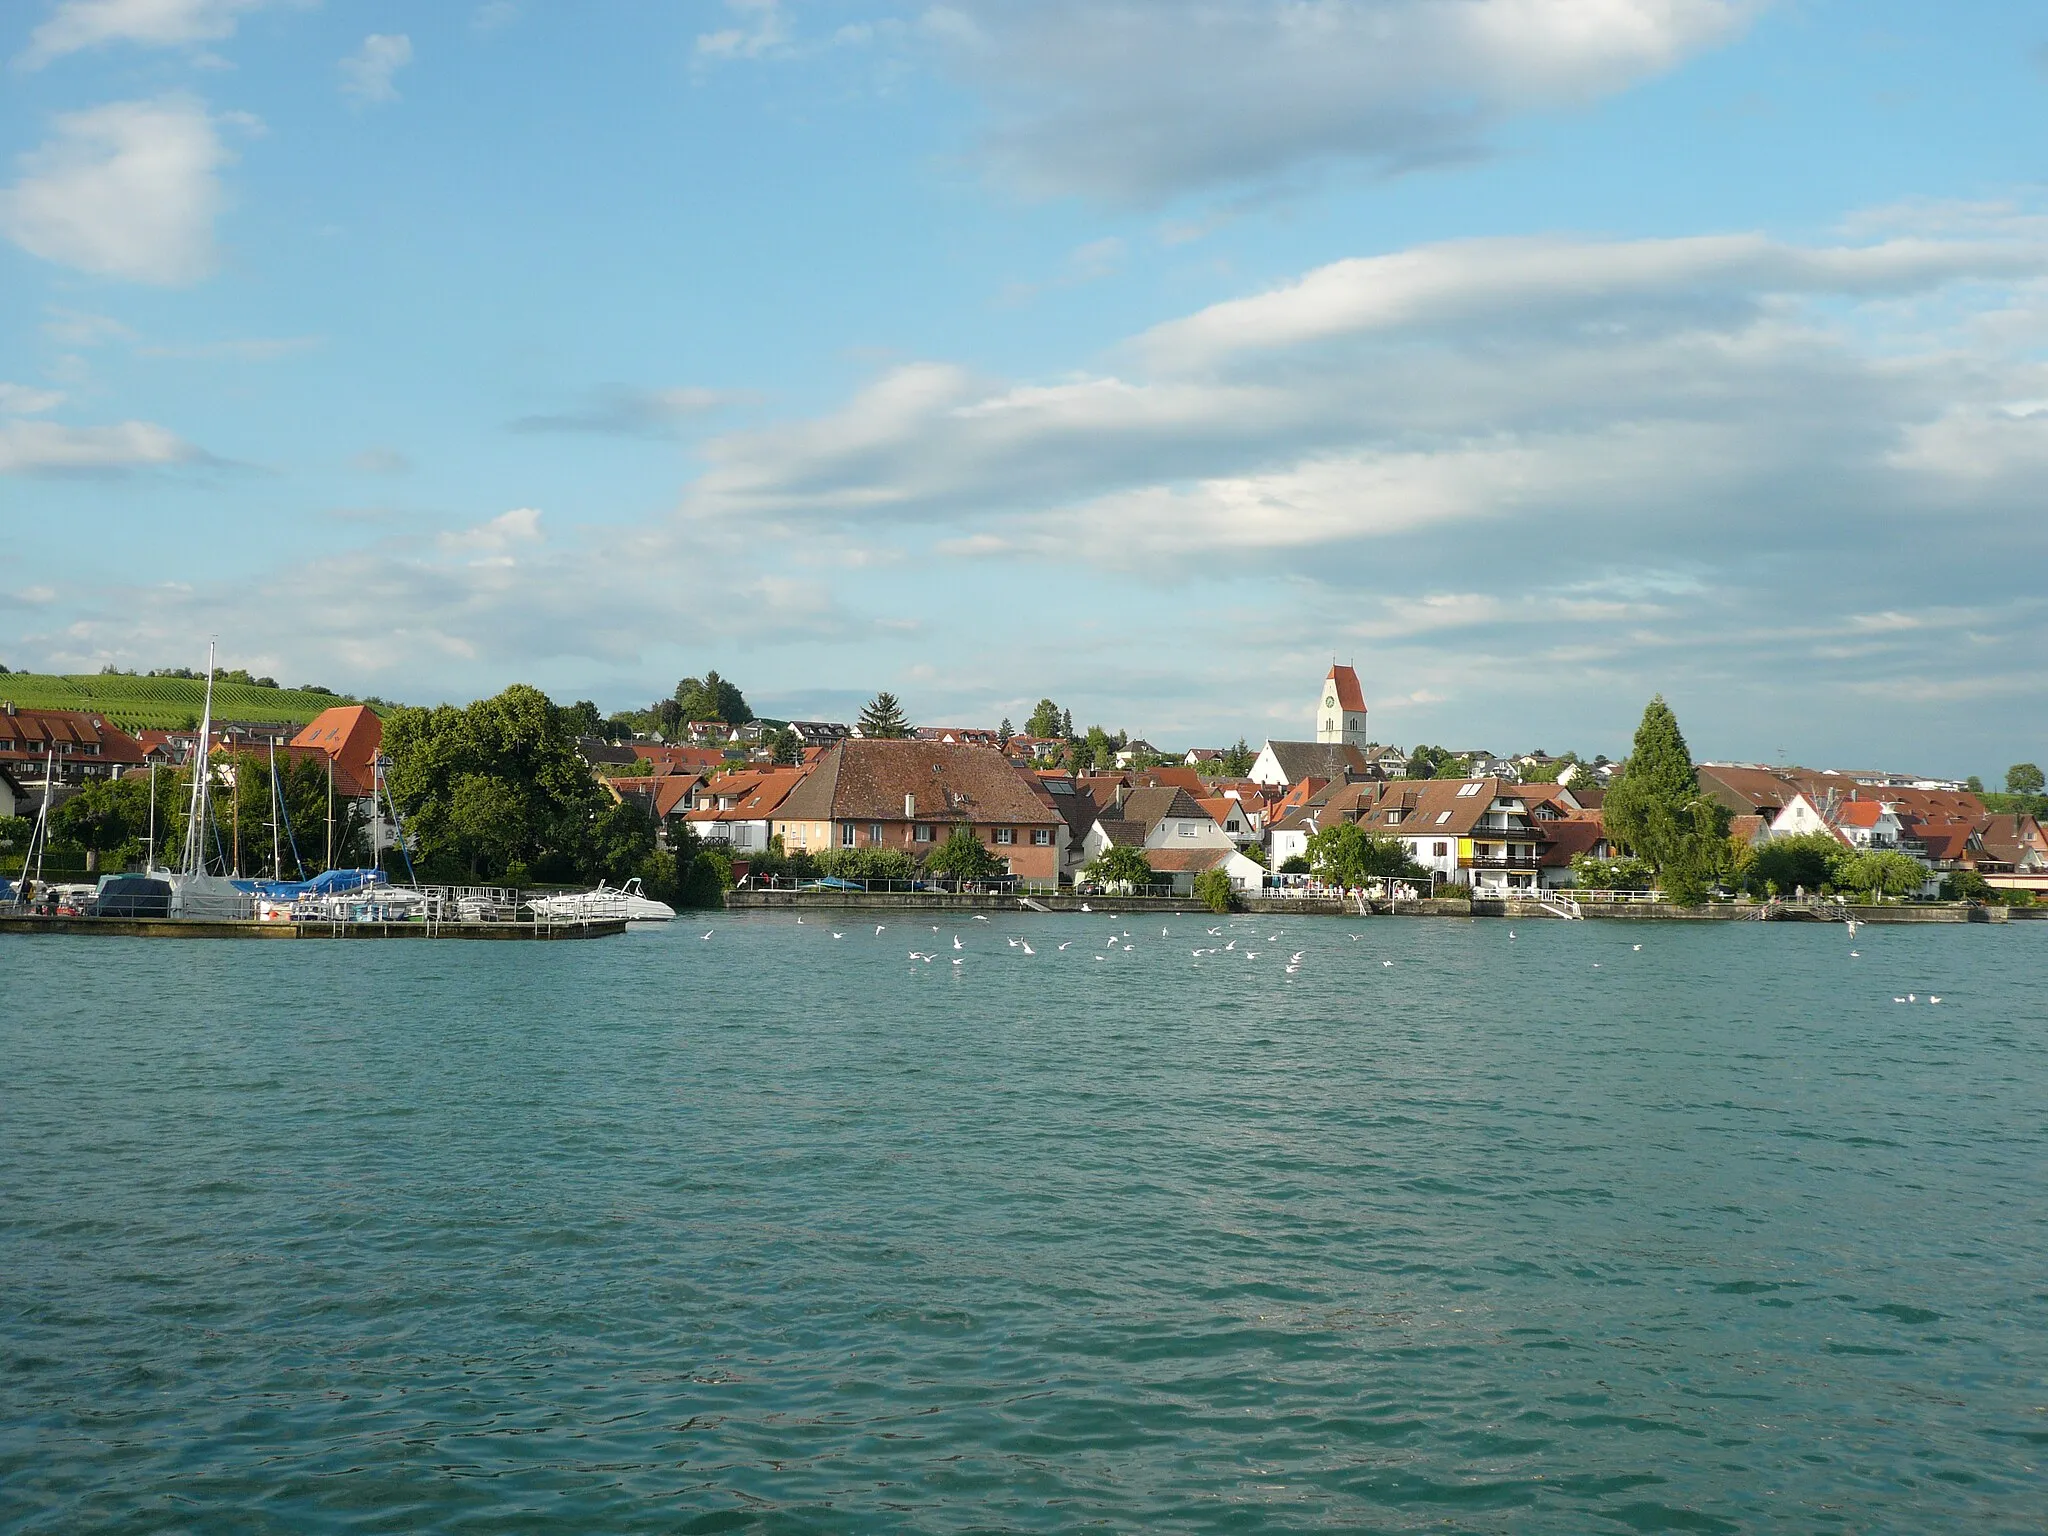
(1443, 850)
(1005, 836)
(1187, 829)
(924, 834)
(1041, 837)
(846, 835)
(875, 833)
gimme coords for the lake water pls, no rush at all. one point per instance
(782, 1230)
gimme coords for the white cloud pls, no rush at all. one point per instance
(22, 400)
(622, 411)
(1516, 281)
(127, 190)
(82, 24)
(46, 447)
(1133, 101)
(367, 73)
(762, 29)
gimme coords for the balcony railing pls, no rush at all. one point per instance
(1497, 861)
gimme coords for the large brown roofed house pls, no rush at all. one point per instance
(910, 795)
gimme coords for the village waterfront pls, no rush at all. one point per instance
(1349, 1224)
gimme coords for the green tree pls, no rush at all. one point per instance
(1101, 747)
(1296, 864)
(1656, 811)
(583, 719)
(527, 797)
(1974, 785)
(882, 718)
(711, 697)
(1347, 855)
(1214, 890)
(1623, 874)
(1045, 720)
(100, 818)
(1067, 723)
(1881, 872)
(1803, 862)
(1004, 733)
(786, 747)
(1119, 865)
(963, 856)
(668, 718)
(867, 864)
(2024, 779)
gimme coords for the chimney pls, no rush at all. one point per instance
(910, 807)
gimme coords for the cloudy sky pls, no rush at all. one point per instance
(1535, 355)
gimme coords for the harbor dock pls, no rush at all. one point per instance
(182, 928)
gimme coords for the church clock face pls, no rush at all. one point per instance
(1330, 702)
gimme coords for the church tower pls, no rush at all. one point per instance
(1340, 709)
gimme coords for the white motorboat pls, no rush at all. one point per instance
(629, 901)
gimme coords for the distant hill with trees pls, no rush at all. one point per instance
(169, 701)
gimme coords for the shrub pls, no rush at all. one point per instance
(1297, 865)
(1214, 890)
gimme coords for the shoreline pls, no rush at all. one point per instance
(1518, 908)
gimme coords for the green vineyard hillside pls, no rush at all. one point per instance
(138, 703)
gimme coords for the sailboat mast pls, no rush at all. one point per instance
(276, 794)
(195, 847)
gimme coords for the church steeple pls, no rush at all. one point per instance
(1340, 708)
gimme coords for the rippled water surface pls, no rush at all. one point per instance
(784, 1230)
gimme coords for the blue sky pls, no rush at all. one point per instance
(1536, 355)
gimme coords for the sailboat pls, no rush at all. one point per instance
(195, 893)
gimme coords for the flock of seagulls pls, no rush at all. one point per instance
(1119, 941)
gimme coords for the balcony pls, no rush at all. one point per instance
(1499, 861)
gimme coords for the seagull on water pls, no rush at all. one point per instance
(838, 935)
(1898, 999)
(1911, 998)
(956, 959)
(1855, 954)
(799, 917)
(1932, 998)
(1085, 907)
(1639, 949)
(979, 918)
(1387, 963)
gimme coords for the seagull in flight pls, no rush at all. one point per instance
(879, 927)
(707, 935)
(1026, 948)
(979, 918)
(1388, 963)
(1639, 949)
(1063, 946)
(956, 942)
(838, 935)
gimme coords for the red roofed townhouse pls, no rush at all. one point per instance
(740, 808)
(910, 795)
(77, 746)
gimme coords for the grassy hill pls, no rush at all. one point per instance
(136, 703)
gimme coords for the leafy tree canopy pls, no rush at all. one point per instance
(1045, 720)
(2024, 779)
(1880, 872)
(1214, 890)
(1120, 865)
(711, 697)
(497, 783)
(1347, 855)
(882, 718)
(1655, 809)
(963, 856)
(1785, 865)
